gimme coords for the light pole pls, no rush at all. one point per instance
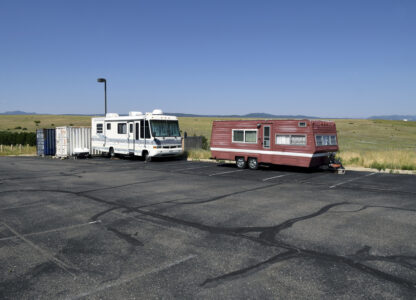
(105, 92)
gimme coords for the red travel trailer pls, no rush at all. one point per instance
(302, 143)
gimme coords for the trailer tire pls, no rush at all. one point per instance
(252, 163)
(240, 162)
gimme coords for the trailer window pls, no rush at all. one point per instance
(244, 136)
(108, 126)
(99, 128)
(250, 136)
(282, 139)
(302, 124)
(131, 128)
(287, 139)
(121, 128)
(238, 136)
(298, 140)
(326, 140)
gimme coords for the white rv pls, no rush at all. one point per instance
(147, 135)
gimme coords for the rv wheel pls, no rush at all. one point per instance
(240, 162)
(146, 156)
(111, 153)
(253, 164)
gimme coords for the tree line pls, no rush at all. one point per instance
(17, 138)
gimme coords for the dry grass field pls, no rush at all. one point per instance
(370, 143)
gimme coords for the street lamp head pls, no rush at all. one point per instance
(101, 80)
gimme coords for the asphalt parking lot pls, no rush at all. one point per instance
(126, 229)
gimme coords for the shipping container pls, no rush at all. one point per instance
(72, 141)
(40, 142)
(302, 143)
(45, 142)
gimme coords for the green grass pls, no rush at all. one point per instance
(198, 154)
(17, 150)
(377, 143)
(11, 122)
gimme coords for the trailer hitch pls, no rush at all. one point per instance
(335, 164)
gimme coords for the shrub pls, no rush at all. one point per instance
(204, 143)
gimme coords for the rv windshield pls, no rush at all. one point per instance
(164, 128)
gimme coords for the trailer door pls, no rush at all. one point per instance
(266, 136)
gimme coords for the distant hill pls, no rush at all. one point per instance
(395, 117)
(17, 112)
(251, 115)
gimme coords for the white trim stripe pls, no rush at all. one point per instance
(272, 152)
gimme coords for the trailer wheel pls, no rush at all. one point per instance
(253, 164)
(240, 163)
(111, 153)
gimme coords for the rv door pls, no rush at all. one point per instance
(130, 136)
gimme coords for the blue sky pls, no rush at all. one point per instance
(319, 58)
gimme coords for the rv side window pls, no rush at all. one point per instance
(99, 128)
(302, 124)
(287, 139)
(238, 135)
(137, 131)
(144, 127)
(131, 128)
(108, 126)
(121, 128)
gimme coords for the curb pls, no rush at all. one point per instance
(389, 171)
(356, 169)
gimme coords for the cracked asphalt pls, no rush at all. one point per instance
(126, 229)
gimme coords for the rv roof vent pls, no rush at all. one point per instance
(111, 115)
(135, 113)
(157, 112)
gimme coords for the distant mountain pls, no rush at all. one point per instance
(17, 112)
(251, 115)
(395, 117)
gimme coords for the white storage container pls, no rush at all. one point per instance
(72, 141)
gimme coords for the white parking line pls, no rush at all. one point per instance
(45, 253)
(195, 168)
(347, 181)
(51, 230)
(274, 177)
(225, 172)
(134, 276)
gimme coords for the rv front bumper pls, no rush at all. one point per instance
(166, 152)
